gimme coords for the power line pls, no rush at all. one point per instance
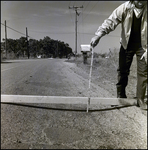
(79, 36)
(90, 10)
(84, 9)
(74, 3)
(70, 33)
(86, 5)
(14, 29)
(52, 32)
(69, 3)
(71, 16)
(83, 3)
(93, 34)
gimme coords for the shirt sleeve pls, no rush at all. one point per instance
(111, 22)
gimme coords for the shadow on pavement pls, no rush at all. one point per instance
(6, 62)
(62, 107)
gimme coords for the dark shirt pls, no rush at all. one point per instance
(135, 36)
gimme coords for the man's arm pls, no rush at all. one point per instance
(112, 22)
(109, 24)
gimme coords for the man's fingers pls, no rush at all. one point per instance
(92, 44)
(144, 55)
(94, 41)
(141, 57)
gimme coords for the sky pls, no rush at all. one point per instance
(55, 20)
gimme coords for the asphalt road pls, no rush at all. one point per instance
(42, 126)
(51, 77)
(33, 77)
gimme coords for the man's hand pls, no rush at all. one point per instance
(144, 56)
(94, 41)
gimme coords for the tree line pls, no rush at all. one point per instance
(45, 48)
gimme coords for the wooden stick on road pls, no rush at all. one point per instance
(67, 100)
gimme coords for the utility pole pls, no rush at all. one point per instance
(57, 49)
(77, 14)
(6, 38)
(27, 43)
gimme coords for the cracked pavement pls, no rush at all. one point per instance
(45, 126)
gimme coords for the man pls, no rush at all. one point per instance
(132, 15)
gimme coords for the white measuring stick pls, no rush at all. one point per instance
(89, 88)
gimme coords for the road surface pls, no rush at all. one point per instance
(39, 126)
(52, 77)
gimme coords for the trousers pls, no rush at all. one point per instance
(125, 61)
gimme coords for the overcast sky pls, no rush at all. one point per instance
(56, 20)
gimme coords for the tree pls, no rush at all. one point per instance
(11, 45)
(46, 47)
(23, 45)
(33, 47)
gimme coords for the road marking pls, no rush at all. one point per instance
(65, 100)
